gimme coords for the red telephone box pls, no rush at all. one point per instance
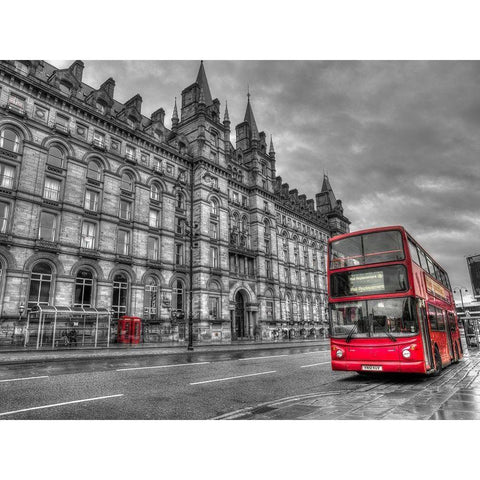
(129, 329)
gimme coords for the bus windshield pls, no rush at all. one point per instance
(374, 318)
(366, 249)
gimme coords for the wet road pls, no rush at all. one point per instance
(283, 383)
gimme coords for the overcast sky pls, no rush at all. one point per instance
(399, 139)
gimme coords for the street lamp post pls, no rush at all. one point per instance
(465, 326)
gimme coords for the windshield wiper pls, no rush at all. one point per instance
(352, 331)
(389, 335)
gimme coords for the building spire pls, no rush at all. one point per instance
(271, 151)
(203, 84)
(250, 119)
(226, 118)
(175, 115)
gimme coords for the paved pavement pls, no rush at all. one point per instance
(19, 355)
(453, 395)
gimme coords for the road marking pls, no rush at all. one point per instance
(161, 366)
(260, 358)
(314, 364)
(231, 378)
(318, 351)
(22, 378)
(60, 404)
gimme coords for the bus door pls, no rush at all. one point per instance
(446, 317)
(427, 344)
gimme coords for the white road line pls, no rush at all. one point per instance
(231, 378)
(161, 366)
(314, 364)
(312, 353)
(23, 378)
(261, 358)
(60, 404)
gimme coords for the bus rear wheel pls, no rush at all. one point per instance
(438, 362)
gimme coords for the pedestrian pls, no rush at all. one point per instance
(72, 337)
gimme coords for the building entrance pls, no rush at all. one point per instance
(241, 330)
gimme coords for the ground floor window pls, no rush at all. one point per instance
(213, 307)
(83, 289)
(151, 298)
(40, 285)
(179, 296)
(120, 295)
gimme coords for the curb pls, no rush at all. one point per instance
(35, 356)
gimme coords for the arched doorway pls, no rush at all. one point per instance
(241, 329)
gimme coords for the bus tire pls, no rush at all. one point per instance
(438, 362)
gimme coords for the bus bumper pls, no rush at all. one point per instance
(389, 367)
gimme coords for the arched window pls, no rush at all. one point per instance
(155, 192)
(120, 294)
(213, 206)
(9, 140)
(180, 201)
(55, 157)
(40, 285)
(151, 304)
(94, 171)
(127, 182)
(179, 296)
(244, 224)
(83, 289)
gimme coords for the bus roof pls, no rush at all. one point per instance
(368, 230)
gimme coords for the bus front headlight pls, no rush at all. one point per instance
(339, 353)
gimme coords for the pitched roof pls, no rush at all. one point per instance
(203, 83)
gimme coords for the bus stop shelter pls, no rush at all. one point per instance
(60, 327)
(471, 325)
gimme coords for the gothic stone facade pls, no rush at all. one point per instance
(95, 203)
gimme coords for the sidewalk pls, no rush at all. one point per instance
(29, 356)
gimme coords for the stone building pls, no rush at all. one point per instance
(96, 210)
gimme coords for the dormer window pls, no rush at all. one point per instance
(65, 87)
(131, 122)
(100, 106)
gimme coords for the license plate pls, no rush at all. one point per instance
(369, 368)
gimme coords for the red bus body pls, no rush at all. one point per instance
(427, 300)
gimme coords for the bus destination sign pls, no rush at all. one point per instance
(367, 282)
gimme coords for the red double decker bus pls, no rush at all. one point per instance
(391, 305)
